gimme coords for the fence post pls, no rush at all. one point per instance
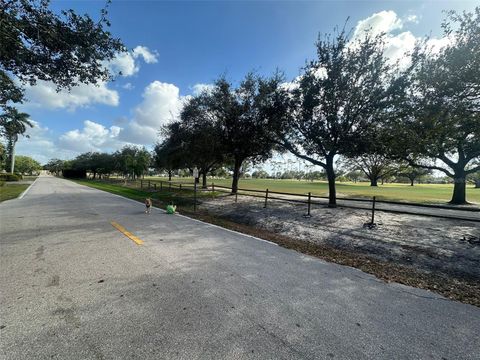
(266, 198)
(161, 185)
(195, 196)
(180, 186)
(149, 185)
(141, 184)
(155, 186)
(309, 203)
(373, 211)
(213, 189)
(169, 186)
(236, 196)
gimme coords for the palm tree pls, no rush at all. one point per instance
(12, 124)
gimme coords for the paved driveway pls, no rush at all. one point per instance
(75, 287)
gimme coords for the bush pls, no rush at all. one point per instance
(10, 177)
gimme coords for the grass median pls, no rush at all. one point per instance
(184, 198)
(11, 191)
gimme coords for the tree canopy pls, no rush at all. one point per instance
(38, 44)
(438, 127)
(335, 102)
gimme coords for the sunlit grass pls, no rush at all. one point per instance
(11, 191)
(422, 193)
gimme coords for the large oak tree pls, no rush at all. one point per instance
(335, 102)
(439, 119)
(238, 113)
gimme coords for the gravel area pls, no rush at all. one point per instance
(449, 247)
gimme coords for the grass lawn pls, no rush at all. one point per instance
(421, 193)
(11, 191)
(183, 198)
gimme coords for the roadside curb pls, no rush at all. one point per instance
(27, 189)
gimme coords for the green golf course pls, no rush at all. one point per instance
(420, 193)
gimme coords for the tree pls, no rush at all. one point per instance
(438, 123)
(13, 124)
(260, 174)
(238, 114)
(375, 166)
(316, 175)
(26, 165)
(66, 48)
(3, 156)
(413, 173)
(201, 137)
(168, 155)
(475, 178)
(55, 166)
(354, 175)
(133, 161)
(334, 103)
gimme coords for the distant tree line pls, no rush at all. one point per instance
(130, 162)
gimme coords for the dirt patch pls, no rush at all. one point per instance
(429, 253)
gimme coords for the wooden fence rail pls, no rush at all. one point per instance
(307, 198)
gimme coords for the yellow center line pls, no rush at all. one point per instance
(128, 234)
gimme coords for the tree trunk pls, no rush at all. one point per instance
(374, 181)
(236, 175)
(169, 175)
(332, 192)
(459, 189)
(411, 182)
(12, 158)
(477, 184)
(204, 179)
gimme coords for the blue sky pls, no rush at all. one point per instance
(177, 47)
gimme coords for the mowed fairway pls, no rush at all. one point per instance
(422, 193)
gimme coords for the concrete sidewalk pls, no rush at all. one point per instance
(75, 287)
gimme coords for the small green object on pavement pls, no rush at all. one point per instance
(171, 209)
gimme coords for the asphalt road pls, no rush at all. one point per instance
(74, 287)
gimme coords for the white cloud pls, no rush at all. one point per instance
(412, 18)
(39, 145)
(435, 45)
(44, 94)
(93, 137)
(398, 46)
(125, 63)
(150, 57)
(197, 89)
(161, 104)
(381, 22)
(128, 86)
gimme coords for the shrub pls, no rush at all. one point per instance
(10, 177)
